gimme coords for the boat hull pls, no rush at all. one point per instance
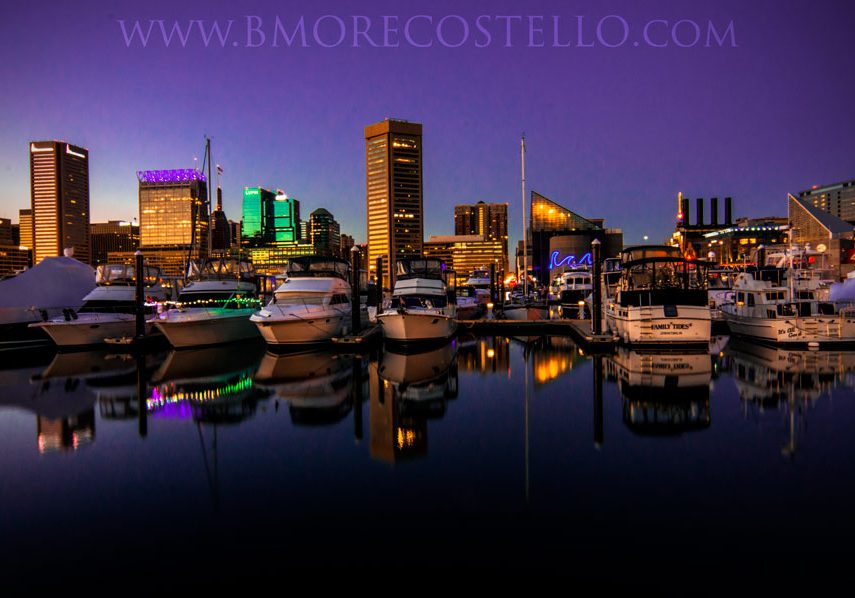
(648, 325)
(295, 331)
(825, 330)
(194, 330)
(523, 313)
(416, 327)
(87, 331)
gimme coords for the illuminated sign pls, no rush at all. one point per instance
(569, 260)
(253, 191)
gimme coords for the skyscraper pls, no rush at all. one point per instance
(59, 180)
(113, 235)
(285, 220)
(256, 213)
(325, 232)
(393, 163)
(173, 217)
(25, 222)
(488, 220)
(220, 229)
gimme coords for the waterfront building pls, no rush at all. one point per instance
(736, 244)
(691, 238)
(465, 253)
(174, 220)
(345, 245)
(25, 226)
(561, 238)
(325, 233)
(489, 220)
(113, 235)
(838, 199)
(59, 182)
(824, 232)
(393, 165)
(284, 221)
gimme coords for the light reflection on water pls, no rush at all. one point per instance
(524, 436)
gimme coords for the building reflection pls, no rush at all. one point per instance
(552, 356)
(485, 354)
(662, 393)
(779, 383)
(214, 384)
(318, 386)
(406, 390)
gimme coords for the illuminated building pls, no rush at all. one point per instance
(393, 164)
(221, 237)
(284, 221)
(325, 233)
(6, 233)
(489, 220)
(692, 238)
(838, 199)
(25, 226)
(114, 235)
(59, 177)
(173, 218)
(557, 233)
(256, 212)
(394, 437)
(736, 243)
(465, 253)
(13, 259)
(825, 233)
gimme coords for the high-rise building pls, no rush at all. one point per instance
(174, 222)
(235, 232)
(465, 253)
(345, 245)
(59, 182)
(6, 235)
(837, 199)
(113, 235)
(325, 233)
(488, 220)
(25, 222)
(221, 237)
(393, 163)
(256, 213)
(285, 221)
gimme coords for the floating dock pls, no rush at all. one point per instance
(579, 330)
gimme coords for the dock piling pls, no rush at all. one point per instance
(597, 291)
(356, 324)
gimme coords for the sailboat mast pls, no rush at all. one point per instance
(525, 228)
(208, 150)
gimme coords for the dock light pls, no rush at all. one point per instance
(491, 353)
(581, 303)
(489, 306)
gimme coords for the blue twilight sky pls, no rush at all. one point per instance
(612, 132)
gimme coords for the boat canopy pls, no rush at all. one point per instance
(217, 269)
(125, 274)
(53, 282)
(318, 266)
(420, 268)
(639, 252)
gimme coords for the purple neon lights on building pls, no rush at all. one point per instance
(176, 175)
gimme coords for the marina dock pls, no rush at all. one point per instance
(578, 330)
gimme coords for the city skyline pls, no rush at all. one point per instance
(606, 128)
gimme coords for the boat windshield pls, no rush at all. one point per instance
(113, 307)
(304, 299)
(419, 301)
(317, 266)
(214, 269)
(427, 268)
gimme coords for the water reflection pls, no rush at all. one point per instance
(213, 384)
(783, 384)
(406, 390)
(318, 386)
(663, 393)
(487, 355)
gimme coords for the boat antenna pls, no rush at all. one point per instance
(525, 229)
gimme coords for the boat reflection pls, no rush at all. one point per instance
(406, 390)
(779, 383)
(214, 384)
(663, 393)
(318, 386)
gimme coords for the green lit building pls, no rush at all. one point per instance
(284, 221)
(257, 212)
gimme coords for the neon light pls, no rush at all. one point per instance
(569, 260)
(70, 151)
(178, 175)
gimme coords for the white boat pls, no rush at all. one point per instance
(470, 305)
(772, 305)
(38, 294)
(574, 288)
(214, 308)
(422, 309)
(108, 311)
(313, 305)
(525, 309)
(660, 298)
(719, 290)
(480, 281)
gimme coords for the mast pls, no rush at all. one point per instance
(210, 235)
(525, 228)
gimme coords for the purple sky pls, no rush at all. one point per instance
(613, 133)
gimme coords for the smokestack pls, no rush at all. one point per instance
(219, 199)
(714, 211)
(699, 205)
(728, 211)
(685, 210)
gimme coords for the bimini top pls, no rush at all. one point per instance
(640, 252)
(219, 269)
(318, 266)
(125, 275)
(420, 268)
